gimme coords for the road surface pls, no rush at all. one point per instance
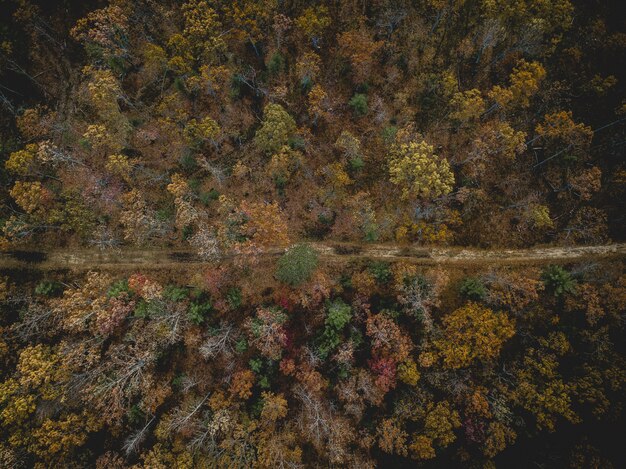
(85, 259)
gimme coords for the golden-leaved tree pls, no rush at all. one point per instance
(473, 332)
(419, 173)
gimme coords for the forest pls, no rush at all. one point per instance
(315, 216)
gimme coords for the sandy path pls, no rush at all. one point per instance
(83, 259)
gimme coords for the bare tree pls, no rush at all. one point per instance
(134, 441)
(220, 342)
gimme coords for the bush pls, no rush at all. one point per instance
(187, 232)
(188, 163)
(338, 316)
(234, 298)
(358, 103)
(306, 83)
(558, 280)
(174, 293)
(296, 142)
(47, 288)
(389, 134)
(119, 287)
(256, 365)
(207, 197)
(276, 64)
(297, 265)
(236, 84)
(198, 312)
(381, 272)
(241, 345)
(357, 163)
(194, 184)
(143, 310)
(473, 289)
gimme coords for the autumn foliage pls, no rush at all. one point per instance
(246, 151)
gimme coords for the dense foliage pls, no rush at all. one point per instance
(255, 136)
(390, 363)
(157, 123)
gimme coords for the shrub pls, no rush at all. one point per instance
(381, 272)
(473, 289)
(306, 83)
(234, 298)
(198, 312)
(207, 197)
(276, 64)
(558, 280)
(187, 232)
(241, 345)
(337, 317)
(47, 288)
(256, 364)
(358, 103)
(174, 293)
(357, 163)
(389, 134)
(119, 287)
(188, 163)
(297, 265)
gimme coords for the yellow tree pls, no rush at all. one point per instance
(186, 213)
(336, 182)
(439, 424)
(544, 16)
(313, 22)
(318, 101)
(540, 388)
(560, 132)
(495, 146)
(467, 105)
(283, 165)
(308, 67)
(198, 132)
(119, 165)
(106, 28)
(418, 171)
(39, 367)
(267, 224)
(81, 305)
(55, 439)
(22, 162)
(103, 92)
(251, 19)
(275, 130)
(201, 39)
(32, 197)
(392, 438)
(473, 332)
(274, 407)
(524, 83)
(139, 220)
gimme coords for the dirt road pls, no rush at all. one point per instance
(122, 259)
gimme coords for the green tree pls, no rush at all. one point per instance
(297, 265)
(473, 289)
(337, 317)
(358, 103)
(558, 280)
